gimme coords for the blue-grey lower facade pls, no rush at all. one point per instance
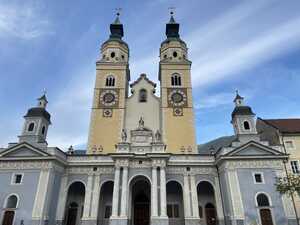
(157, 188)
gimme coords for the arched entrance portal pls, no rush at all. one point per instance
(75, 203)
(105, 203)
(140, 201)
(265, 213)
(207, 202)
(175, 209)
(10, 206)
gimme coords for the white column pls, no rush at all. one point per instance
(235, 192)
(154, 193)
(219, 203)
(194, 195)
(115, 204)
(186, 197)
(95, 198)
(88, 197)
(62, 198)
(41, 195)
(124, 192)
(163, 194)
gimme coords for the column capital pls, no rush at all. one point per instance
(159, 163)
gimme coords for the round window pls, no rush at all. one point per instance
(113, 54)
(175, 54)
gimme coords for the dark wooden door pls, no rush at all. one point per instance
(266, 217)
(211, 216)
(141, 214)
(72, 216)
(8, 218)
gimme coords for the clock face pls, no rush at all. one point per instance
(177, 98)
(108, 98)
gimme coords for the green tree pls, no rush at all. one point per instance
(289, 185)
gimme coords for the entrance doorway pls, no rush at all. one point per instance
(8, 217)
(211, 216)
(140, 201)
(141, 209)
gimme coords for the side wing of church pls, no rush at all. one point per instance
(142, 165)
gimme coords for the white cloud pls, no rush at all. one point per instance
(221, 49)
(23, 21)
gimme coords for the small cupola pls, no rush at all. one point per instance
(243, 118)
(115, 50)
(37, 121)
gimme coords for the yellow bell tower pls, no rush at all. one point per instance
(111, 90)
(176, 93)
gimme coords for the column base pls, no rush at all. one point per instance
(191, 221)
(159, 220)
(58, 222)
(88, 222)
(39, 222)
(118, 221)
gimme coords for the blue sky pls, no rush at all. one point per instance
(252, 46)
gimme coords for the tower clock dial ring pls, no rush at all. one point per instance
(108, 98)
(177, 98)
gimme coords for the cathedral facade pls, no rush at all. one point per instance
(142, 165)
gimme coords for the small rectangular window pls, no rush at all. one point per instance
(295, 167)
(107, 213)
(258, 178)
(17, 178)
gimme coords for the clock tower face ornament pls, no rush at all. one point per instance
(177, 97)
(109, 98)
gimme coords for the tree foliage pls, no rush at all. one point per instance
(288, 185)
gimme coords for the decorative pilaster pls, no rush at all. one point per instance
(96, 197)
(219, 203)
(186, 197)
(62, 199)
(124, 192)
(194, 195)
(115, 203)
(154, 212)
(235, 193)
(40, 202)
(88, 198)
(163, 194)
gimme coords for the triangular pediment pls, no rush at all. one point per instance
(23, 150)
(253, 148)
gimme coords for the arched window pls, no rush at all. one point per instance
(143, 95)
(31, 127)
(246, 125)
(110, 81)
(262, 200)
(176, 79)
(11, 202)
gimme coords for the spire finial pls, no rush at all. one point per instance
(118, 12)
(172, 9)
(238, 100)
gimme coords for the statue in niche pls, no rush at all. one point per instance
(158, 136)
(124, 135)
(141, 123)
